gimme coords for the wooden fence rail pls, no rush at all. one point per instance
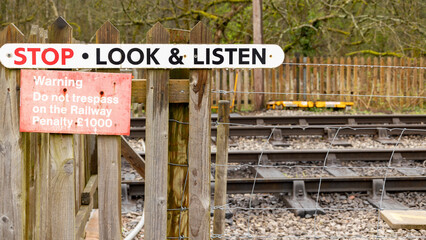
(354, 79)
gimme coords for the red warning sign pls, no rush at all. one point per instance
(75, 102)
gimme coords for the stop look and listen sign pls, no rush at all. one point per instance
(99, 103)
(140, 56)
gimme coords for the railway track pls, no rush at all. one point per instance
(328, 185)
(272, 156)
(314, 120)
(380, 125)
(296, 190)
(339, 179)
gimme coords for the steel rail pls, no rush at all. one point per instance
(320, 154)
(328, 184)
(263, 131)
(315, 120)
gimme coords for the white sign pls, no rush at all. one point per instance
(164, 56)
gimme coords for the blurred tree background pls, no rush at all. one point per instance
(307, 27)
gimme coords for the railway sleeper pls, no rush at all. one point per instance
(335, 169)
(379, 199)
(277, 138)
(231, 142)
(407, 171)
(383, 137)
(299, 203)
(335, 140)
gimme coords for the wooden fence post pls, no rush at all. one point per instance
(415, 87)
(109, 164)
(12, 168)
(246, 80)
(62, 162)
(421, 82)
(348, 82)
(356, 82)
(329, 84)
(321, 80)
(157, 134)
(199, 144)
(38, 169)
(177, 190)
(221, 169)
(281, 83)
(388, 80)
(315, 79)
(258, 80)
(341, 79)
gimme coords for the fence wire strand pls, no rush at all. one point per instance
(248, 234)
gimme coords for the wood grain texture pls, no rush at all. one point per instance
(62, 189)
(199, 144)
(42, 182)
(109, 187)
(224, 85)
(355, 81)
(281, 85)
(335, 79)
(389, 80)
(258, 80)
(12, 168)
(342, 79)
(246, 81)
(422, 81)
(415, 87)
(308, 88)
(177, 189)
(287, 77)
(376, 76)
(395, 76)
(132, 157)
(157, 134)
(38, 170)
(89, 190)
(81, 219)
(221, 168)
(300, 81)
(178, 91)
(239, 88)
(109, 163)
(329, 84)
(348, 80)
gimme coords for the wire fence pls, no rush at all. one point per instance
(367, 82)
(251, 218)
(252, 211)
(245, 223)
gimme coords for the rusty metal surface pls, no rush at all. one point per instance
(328, 185)
(410, 129)
(316, 120)
(319, 155)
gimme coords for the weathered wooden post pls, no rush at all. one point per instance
(221, 168)
(12, 169)
(199, 143)
(258, 39)
(177, 190)
(109, 164)
(157, 134)
(62, 162)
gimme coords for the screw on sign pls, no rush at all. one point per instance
(140, 56)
